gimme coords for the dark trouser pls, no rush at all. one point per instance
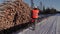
(34, 23)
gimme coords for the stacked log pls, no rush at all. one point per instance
(14, 13)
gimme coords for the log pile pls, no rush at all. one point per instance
(14, 13)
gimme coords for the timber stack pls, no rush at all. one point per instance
(13, 13)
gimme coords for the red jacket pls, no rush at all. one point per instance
(35, 13)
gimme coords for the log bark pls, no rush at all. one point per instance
(14, 13)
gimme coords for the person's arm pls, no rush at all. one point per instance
(38, 13)
(31, 13)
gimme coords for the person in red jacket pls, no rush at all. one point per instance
(34, 16)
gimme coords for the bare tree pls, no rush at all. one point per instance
(32, 3)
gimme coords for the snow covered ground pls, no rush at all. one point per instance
(49, 25)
